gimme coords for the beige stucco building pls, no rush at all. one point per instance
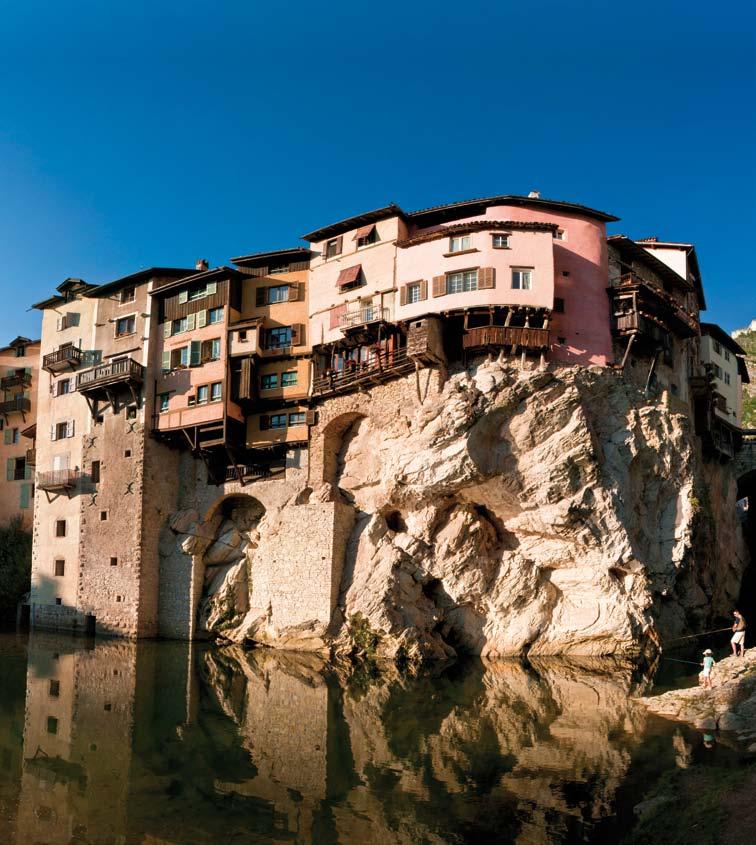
(19, 376)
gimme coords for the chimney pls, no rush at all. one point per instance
(534, 195)
(201, 264)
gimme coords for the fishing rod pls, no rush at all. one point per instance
(702, 634)
(678, 660)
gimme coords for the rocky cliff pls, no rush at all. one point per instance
(500, 511)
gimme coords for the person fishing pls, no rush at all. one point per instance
(738, 634)
(708, 665)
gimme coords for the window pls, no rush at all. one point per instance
(18, 469)
(500, 241)
(242, 336)
(365, 238)
(718, 371)
(558, 305)
(179, 358)
(278, 421)
(727, 378)
(114, 561)
(727, 354)
(202, 394)
(62, 387)
(191, 401)
(460, 282)
(20, 351)
(332, 247)
(127, 453)
(717, 347)
(216, 391)
(103, 516)
(215, 349)
(279, 293)
(289, 379)
(215, 315)
(164, 400)
(58, 601)
(60, 568)
(279, 337)
(460, 243)
(269, 381)
(131, 412)
(297, 418)
(95, 472)
(414, 293)
(52, 722)
(128, 295)
(180, 325)
(560, 235)
(61, 430)
(522, 279)
(125, 326)
(54, 689)
(60, 528)
(15, 435)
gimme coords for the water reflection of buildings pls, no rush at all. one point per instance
(168, 744)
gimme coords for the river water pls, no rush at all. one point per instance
(157, 742)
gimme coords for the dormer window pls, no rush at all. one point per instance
(366, 235)
(461, 243)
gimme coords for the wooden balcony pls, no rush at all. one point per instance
(126, 372)
(483, 337)
(18, 404)
(18, 380)
(244, 473)
(58, 480)
(652, 303)
(31, 457)
(379, 367)
(66, 358)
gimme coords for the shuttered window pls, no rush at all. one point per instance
(462, 282)
(333, 247)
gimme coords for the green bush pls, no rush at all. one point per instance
(15, 568)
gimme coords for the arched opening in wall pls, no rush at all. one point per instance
(336, 438)
(747, 512)
(245, 511)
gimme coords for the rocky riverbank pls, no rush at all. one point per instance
(729, 706)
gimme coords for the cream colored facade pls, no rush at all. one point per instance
(19, 375)
(723, 360)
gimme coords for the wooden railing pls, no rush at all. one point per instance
(66, 356)
(16, 380)
(253, 472)
(18, 403)
(530, 338)
(58, 479)
(378, 367)
(127, 369)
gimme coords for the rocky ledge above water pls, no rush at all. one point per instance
(497, 512)
(729, 706)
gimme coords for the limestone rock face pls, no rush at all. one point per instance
(505, 511)
(543, 512)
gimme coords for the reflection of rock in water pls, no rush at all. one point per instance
(528, 754)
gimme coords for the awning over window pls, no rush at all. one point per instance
(364, 232)
(349, 275)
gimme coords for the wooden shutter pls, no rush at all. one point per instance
(297, 334)
(336, 314)
(310, 416)
(191, 322)
(167, 327)
(8, 436)
(403, 295)
(245, 379)
(52, 434)
(183, 297)
(25, 495)
(439, 285)
(201, 319)
(261, 297)
(10, 468)
(486, 278)
(423, 288)
(211, 288)
(264, 422)
(195, 353)
(70, 428)
(166, 366)
(294, 293)
(339, 244)
(27, 472)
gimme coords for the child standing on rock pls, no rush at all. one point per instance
(708, 665)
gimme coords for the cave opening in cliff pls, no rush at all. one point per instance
(747, 502)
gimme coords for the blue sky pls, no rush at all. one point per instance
(137, 134)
